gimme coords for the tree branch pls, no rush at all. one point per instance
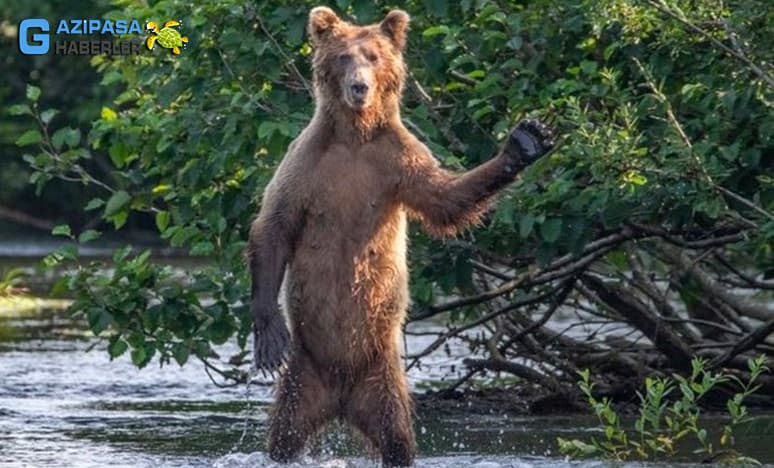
(660, 6)
(749, 341)
(650, 324)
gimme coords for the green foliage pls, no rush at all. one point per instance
(68, 94)
(666, 420)
(656, 120)
(10, 281)
(142, 307)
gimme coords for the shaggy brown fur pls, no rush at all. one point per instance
(333, 221)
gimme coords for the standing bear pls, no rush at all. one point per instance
(332, 226)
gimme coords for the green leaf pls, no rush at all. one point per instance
(119, 219)
(119, 154)
(33, 93)
(66, 136)
(19, 109)
(266, 129)
(514, 43)
(94, 203)
(550, 229)
(47, 115)
(181, 352)
(702, 436)
(142, 355)
(58, 138)
(73, 137)
(99, 320)
(202, 248)
(88, 236)
(28, 138)
(117, 202)
(618, 259)
(435, 31)
(162, 220)
(525, 225)
(588, 67)
(117, 348)
(220, 331)
(62, 230)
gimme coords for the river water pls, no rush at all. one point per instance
(63, 403)
(64, 406)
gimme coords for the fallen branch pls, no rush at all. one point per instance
(456, 331)
(749, 281)
(564, 292)
(519, 370)
(638, 314)
(710, 286)
(25, 219)
(568, 265)
(670, 237)
(750, 341)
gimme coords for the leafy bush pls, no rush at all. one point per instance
(666, 420)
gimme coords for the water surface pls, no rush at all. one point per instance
(61, 406)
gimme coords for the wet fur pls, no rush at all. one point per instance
(334, 218)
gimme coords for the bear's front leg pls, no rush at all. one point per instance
(446, 202)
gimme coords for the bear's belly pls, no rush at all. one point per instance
(347, 299)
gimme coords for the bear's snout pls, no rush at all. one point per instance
(359, 89)
(356, 93)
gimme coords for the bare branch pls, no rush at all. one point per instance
(711, 286)
(750, 341)
(25, 219)
(749, 281)
(481, 320)
(650, 324)
(520, 370)
(564, 292)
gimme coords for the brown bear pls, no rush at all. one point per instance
(332, 226)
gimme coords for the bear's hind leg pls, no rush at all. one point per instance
(380, 407)
(304, 404)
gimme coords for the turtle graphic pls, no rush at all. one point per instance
(168, 37)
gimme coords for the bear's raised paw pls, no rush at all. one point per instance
(530, 140)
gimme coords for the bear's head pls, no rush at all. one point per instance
(360, 67)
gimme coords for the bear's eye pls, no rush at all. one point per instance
(345, 58)
(372, 57)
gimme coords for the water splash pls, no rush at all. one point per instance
(250, 460)
(252, 380)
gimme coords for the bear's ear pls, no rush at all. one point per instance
(394, 26)
(322, 21)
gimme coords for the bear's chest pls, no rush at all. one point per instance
(349, 187)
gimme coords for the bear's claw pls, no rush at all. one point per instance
(271, 345)
(531, 139)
